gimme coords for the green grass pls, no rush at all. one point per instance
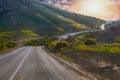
(100, 48)
(17, 35)
(64, 57)
(28, 33)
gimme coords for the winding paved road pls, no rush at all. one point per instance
(33, 63)
(65, 36)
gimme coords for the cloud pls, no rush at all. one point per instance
(111, 8)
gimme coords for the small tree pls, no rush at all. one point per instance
(90, 42)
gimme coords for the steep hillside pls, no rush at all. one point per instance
(86, 20)
(41, 19)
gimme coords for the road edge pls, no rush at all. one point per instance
(73, 67)
(78, 71)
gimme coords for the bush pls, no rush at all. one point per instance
(90, 42)
(2, 47)
(10, 44)
(45, 41)
(59, 44)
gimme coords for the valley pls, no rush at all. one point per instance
(39, 40)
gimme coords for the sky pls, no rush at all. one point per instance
(104, 9)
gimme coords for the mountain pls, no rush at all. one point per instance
(87, 20)
(55, 2)
(110, 34)
(41, 18)
(83, 19)
(112, 23)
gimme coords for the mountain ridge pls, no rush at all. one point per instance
(41, 19)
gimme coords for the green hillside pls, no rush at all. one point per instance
(41, 19)
(83, 19)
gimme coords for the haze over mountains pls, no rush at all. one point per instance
(41, 18)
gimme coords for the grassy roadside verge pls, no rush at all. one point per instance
(70, 64)
(64, 57)
(92, 65)
(100, 62)
(8, 50)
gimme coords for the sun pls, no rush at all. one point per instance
(103, 9)
(93, 7)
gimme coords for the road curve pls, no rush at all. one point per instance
(33, 63)
(65, 36)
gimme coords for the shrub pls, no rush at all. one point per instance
(59, 44)
(45, 41)
(2, 47)
(10, 44)
(90, 42)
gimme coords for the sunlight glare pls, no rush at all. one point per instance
(93, 7)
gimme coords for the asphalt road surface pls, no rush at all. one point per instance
(65, 36)
(33, 63)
